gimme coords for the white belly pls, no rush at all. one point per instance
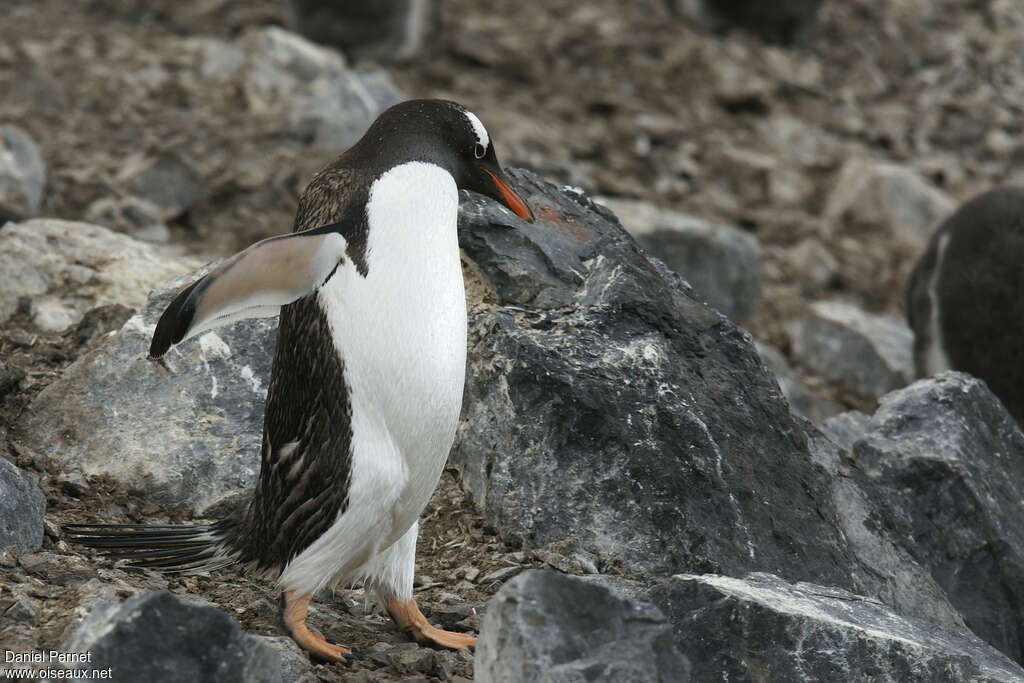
(401, 333)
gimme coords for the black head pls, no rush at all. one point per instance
(442, 133)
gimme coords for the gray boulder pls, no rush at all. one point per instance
(722, 263)
(183, 432)
(22, 175)
(322, 100)
(165, 181)
(607, 407)
(894, 198)
(801, 399)
(546, 626)
(941, 461)
(156, 636)
(867, 354)
(764, 629)
(21, 509)
(65, 269)
(387, 30)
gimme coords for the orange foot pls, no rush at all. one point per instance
(409, 618)
(295, 609)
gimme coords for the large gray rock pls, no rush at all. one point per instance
(867, 354)
(21, 509)
(387, 30)
(66, 268)
(183, 431)
(888, 196)
(764, 629)
(546, 626)
(156, 636)
(942, 462)
(311, 87)
(608, 408)
(22, 175)
(722, 263)
(801, 399)
(163, 180)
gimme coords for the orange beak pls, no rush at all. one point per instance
(512, 200)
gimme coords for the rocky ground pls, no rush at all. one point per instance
(837, 154)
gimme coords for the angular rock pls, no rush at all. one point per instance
(9, 378)
(801, 399)
(387, 30)
(133, 215)
(82, 266)
(721, 262)
(156, 636)
(941, 462)
(323, 101)
(605, 406)
(165, 181)
(545, 626)
(864, 353)
(183, 431)
(22, 175)
(22, 505)
(888, 196)
(763, 628)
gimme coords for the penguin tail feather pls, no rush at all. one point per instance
(169, 548)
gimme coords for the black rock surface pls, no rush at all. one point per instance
(21, 509)
(943, 463)
(607, 406)
(761, 628)
(545, 626)
(156, 636)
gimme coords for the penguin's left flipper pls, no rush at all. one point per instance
(409, 618)
(253, 283)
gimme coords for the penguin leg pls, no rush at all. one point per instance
(295, 609)
(393, 584)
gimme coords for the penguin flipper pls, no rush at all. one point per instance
(253, 283)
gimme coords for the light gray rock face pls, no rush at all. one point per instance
(546, 626)
(607, 407)
(879, 194)
(323, 101)
(868, 354)
(165, 181)
(184, 431)
(21, 509)
(801, 399)
(764, 629)
(66, 268)
(22, 175)
(941, 462)
(388, 30)
(156, 636)
(722, 263)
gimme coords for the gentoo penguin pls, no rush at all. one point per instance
(368, 370)
(965, 297)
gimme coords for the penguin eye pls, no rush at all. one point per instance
(479, 151)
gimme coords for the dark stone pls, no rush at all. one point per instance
(156, 636)
(545, 626)
(169, 183)
(778, 22)
(942, 462)
(388, 30)
(608, 407)
(10, 377)
(21, 509)
(764, 629)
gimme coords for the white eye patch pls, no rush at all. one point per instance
(478, 127)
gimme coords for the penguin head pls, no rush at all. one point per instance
(446, 134)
